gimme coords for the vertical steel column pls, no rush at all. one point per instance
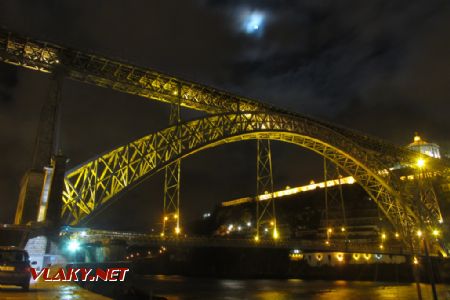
(328, 229)
(428, 201)
(47, 144)
(265, 208)
(171, 211)
(334, 200)
(428, 197)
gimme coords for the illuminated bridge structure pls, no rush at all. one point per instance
(91, 186)
(105, 238)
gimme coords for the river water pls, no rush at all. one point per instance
(188, 288)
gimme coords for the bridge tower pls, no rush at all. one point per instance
(265, 210)
(41, 187)
(335, 217)
(171, 209)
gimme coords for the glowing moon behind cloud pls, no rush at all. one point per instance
(252, 22)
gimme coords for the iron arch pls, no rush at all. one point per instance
(102, 179)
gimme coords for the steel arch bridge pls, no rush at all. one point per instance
(99, 181)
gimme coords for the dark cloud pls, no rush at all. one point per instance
(378, 66)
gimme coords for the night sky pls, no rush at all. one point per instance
(379, 66)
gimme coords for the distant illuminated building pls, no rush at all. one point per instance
(419, 145)
(290, 191)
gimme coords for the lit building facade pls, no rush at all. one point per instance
(419, 145)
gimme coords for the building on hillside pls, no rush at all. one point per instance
(420, 145)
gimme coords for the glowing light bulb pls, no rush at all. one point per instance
(73, 245)
(275, 233)
(420, 162)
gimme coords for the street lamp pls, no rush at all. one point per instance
(73, 245)
(421, 163)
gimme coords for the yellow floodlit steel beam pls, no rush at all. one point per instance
(151, 84)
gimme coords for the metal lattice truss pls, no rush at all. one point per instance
(334, 198)
(428, 198)
(171, 208)
(100, 180)
(265, 210)
(117, 75)
(144, 82)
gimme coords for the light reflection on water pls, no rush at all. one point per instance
(187, 288)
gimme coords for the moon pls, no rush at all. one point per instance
(253, 22)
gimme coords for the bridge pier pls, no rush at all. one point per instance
(265, 210)
(171, 209)
(29, 196)
(41, 187)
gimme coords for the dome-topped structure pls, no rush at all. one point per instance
(420, 145)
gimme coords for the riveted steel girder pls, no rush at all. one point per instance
(148, 83)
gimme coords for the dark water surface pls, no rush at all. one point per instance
(187, 288)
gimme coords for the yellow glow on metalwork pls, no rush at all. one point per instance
(397, 235)
(162, 234)
(330, 230)
(175, 216)
(211, 132)
(327, 242)
(256, 238)
(166, 218)
(272, 223)
(381, 246)
(356, 256)
(383, 236)
(417, 138)
(319, 256)
(342, 229)
(421, 163)
(415, 261)
(367, 256)
(340, 256)
(275, 234)
(419, 233)
(436, 232)
(177, 230)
